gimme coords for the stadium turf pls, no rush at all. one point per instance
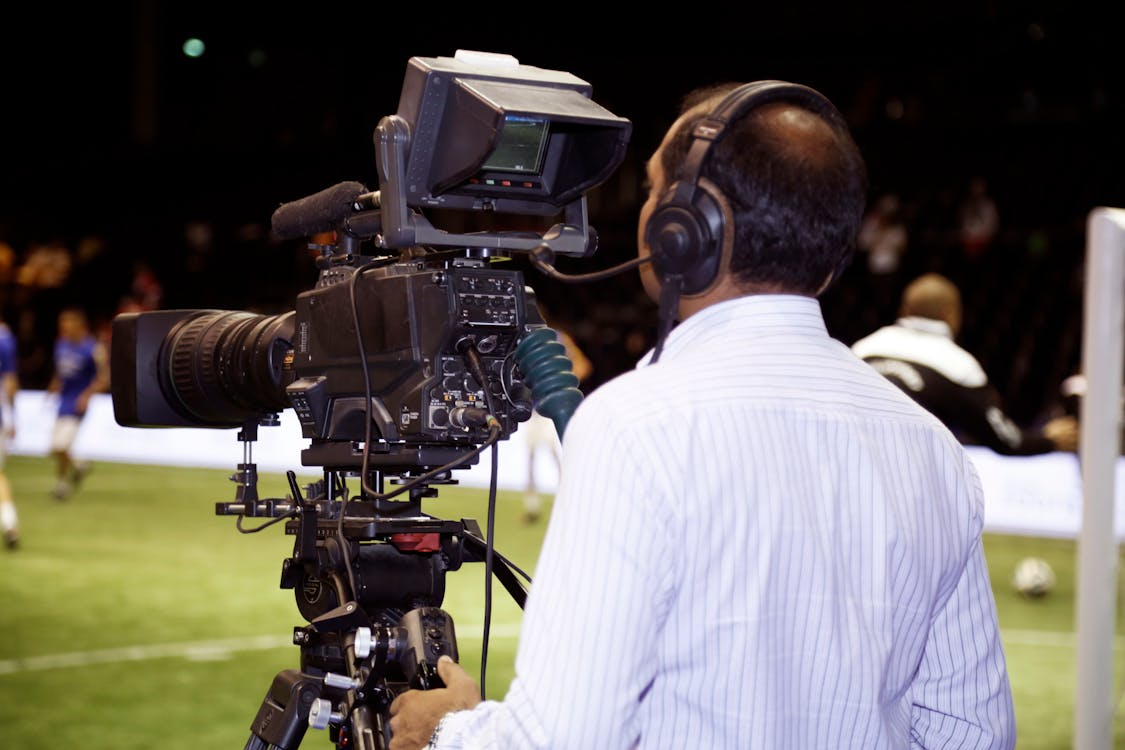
(134, 617)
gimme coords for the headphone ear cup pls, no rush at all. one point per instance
(686, 239)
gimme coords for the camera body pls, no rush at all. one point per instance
(405, 365)
(416, 322)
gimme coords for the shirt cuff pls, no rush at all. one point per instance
(445, 735)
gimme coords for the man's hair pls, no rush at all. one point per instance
(932, 296)
(77, 313)
(797, 208)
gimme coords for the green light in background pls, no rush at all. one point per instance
(194, 47)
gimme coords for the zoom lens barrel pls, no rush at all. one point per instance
(220, 367)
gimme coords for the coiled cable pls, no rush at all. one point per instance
(549, 374)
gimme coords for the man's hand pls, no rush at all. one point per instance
(415, 713)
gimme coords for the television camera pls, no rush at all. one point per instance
(413, 353)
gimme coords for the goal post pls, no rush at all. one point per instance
(1103, 339)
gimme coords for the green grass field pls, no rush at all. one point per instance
(133, 617)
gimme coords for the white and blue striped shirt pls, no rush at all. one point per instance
(757, 542)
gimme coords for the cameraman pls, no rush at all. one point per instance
(759, 541)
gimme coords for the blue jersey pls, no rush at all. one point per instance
(8, 364)
(7, 351)
(76, 369)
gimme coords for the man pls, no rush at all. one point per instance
(9, 385)
(919, 354)
(757, 540)
(81, 370)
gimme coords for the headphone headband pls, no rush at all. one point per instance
(686, 230)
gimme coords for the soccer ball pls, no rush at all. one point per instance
(1033, 577)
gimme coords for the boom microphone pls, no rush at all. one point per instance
(319, 212)
(543, 258)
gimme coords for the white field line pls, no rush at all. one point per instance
(227, 647)
(199, 650)
(1046, 638)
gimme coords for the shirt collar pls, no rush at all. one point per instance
(926, 325)
(753, 314)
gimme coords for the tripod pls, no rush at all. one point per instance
(369, 577)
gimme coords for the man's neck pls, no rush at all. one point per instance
(726, 289)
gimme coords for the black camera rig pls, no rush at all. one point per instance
(414, 352)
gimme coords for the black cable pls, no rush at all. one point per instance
(543, 258)
(488, 555)
(297, 500)
(494, 431)
(473, 357)
(352, 282)
(669, 307)
(473, 361)
(266, 525)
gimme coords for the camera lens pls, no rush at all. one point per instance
(221, 367)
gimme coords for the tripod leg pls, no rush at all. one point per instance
(256, 743)
(284, 714)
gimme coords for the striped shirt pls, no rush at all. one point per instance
(757, 542)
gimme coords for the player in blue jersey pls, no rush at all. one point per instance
(9, 384)
(81, 370)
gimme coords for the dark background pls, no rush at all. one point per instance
(109, 130)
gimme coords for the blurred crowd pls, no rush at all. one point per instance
(46, 276)
(1021, 283)
(1020, 277)
(194, 264)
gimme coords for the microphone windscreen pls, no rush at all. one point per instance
(319, 212)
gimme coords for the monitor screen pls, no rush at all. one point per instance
(519, 145)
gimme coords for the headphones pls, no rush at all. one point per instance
(687, 230)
